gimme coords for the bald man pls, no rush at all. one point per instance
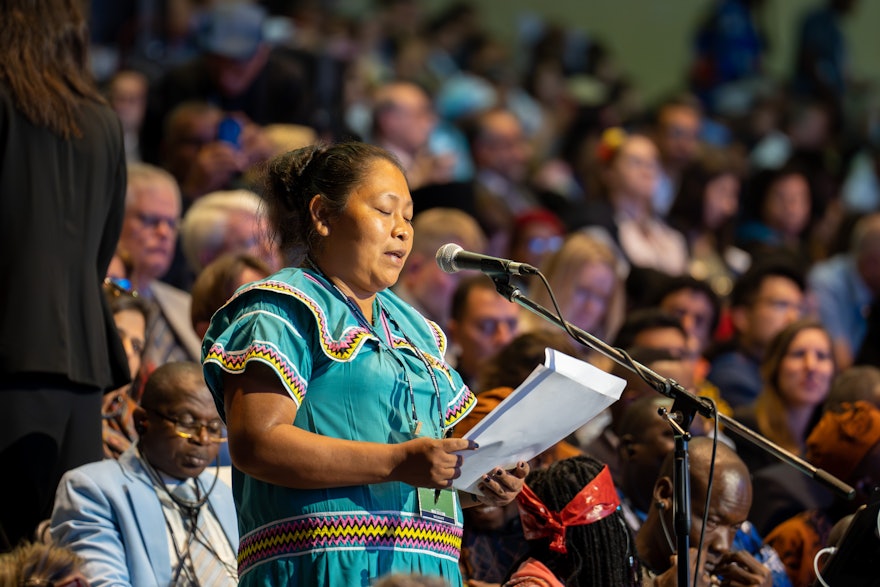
(729, 505)
(422, 283)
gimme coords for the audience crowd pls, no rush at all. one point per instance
(727, 236)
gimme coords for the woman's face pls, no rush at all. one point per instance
(787, 207)
(636, 169)
(131, 326)
(806, 369)
(591, 293)
(720, 200)
(366, 246)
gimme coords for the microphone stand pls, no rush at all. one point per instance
(685, 406)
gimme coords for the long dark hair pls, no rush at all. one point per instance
(44, 44)
(599, 554)
(513, 363)
(688, 209)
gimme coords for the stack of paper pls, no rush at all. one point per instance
(555, 400)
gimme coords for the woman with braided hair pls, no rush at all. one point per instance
(576, 533)
(336, 394)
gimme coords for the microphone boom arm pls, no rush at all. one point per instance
(674, 390)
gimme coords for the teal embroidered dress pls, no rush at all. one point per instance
(349, 380)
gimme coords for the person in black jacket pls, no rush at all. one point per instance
(62, 189)
(236, 70)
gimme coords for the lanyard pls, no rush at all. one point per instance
(415, 424)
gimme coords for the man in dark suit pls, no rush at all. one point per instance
(238, 71)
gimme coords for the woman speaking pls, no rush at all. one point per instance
(336, 394)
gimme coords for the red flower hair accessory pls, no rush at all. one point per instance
(610, 142)
(597, 500)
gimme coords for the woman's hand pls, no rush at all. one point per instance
(428, 462)
(215, 165)
(501, 487)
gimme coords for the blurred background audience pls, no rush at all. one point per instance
(699, 185)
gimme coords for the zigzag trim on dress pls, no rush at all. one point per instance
(266, 352)
(439, 336)
(345, 348)
(402, 343)
(460, 405)
(323, 533)
(463, 401)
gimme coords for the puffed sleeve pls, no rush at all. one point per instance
(264, 327)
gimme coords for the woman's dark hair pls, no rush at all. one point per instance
(781, 264)
(760, 184)
(44, 44)
(669, 285)
(120, 301)
(216, 283)
(294, 178)
(688, 210)
(515, 361)
(643, 319)
(601, 553)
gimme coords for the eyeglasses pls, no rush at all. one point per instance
(585, 294)
(780, 305)
(153, 221)
(119, 286)
(489, 326)
(539, 245)
(188, 428)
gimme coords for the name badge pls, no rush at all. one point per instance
(439, 506)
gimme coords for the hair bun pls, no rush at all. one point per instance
(290, 175)
(301, 162)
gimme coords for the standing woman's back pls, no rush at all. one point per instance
(62, 195)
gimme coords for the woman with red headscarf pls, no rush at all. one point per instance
(574, 527)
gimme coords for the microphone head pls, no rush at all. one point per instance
(446, 257)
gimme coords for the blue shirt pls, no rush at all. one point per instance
(737, 376)
(843, 299)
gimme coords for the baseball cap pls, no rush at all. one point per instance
(233, 30)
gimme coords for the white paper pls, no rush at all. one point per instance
(556, 399)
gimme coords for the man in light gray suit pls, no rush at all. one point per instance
(155, 516)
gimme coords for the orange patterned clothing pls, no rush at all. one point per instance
(533, 573)
(797, 540)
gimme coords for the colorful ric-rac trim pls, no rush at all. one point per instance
(266, 352)
(343, 350)
(460, 405)
(345, 531)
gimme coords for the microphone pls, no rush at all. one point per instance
(452, 258)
